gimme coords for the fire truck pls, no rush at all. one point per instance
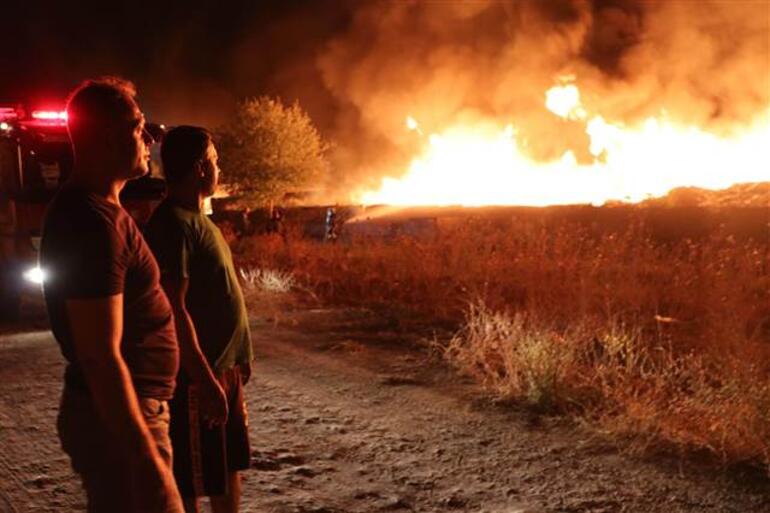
(35, 159)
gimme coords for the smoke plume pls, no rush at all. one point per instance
(703, 63)
(361, 67)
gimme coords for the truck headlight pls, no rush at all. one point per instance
(35, 275)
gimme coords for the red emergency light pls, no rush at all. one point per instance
(8, 113)
(50, 115)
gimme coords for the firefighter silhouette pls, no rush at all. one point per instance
(331, 224)
(275, 222)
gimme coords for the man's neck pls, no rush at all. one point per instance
(93, 179)
(187, 199)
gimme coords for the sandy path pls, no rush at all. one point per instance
(344, 419)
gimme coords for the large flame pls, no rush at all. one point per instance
(564, 101)
(483, 164)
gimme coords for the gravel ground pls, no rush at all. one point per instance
(345, 416)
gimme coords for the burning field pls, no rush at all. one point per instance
(645, 311)
(647, 322)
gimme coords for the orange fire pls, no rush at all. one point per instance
(483, 163)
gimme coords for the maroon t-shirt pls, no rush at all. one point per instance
(93, 249)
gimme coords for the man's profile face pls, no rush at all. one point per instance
(132, 143)
(139, 145)
(210, 171)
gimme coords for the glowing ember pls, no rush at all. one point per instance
(483, 164)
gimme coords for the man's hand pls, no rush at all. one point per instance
(212, 401)
(155, 489)
(245, 369)
(211, 397)
(97, 326)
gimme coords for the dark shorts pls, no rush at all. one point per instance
(98, 457)
(204, 457)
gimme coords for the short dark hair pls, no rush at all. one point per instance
(182, 148)
(96, 104)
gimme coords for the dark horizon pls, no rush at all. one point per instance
(189, 60)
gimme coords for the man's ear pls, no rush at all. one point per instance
(198, 169)
(108, 139)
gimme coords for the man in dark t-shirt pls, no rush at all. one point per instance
(93, 249)
(209, 430)
(109, 314)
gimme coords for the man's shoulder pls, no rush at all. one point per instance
(169, 224)
(78, 208)
(169, 212)
(70, 200)
(208, 225)
(166, 217)
(82, 227)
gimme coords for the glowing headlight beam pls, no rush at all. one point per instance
(35, 275)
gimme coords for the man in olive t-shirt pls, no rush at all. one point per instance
(208, 416)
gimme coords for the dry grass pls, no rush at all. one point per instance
(614, 377)
(267, 292)
(514, 356)
(656, 337)
(267, 280)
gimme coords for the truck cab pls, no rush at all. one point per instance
(35, 159)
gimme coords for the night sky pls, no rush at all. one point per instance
(189, 59)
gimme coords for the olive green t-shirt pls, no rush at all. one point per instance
(187, 244)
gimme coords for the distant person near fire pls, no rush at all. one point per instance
(209, 429)
(330, 224)
(109, 314)
(275, 223)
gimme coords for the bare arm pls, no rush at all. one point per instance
(97, 327)
(194, 364)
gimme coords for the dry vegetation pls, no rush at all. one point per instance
(663, 340)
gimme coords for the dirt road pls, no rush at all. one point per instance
(345, 418)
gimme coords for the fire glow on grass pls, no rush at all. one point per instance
(484, 165)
